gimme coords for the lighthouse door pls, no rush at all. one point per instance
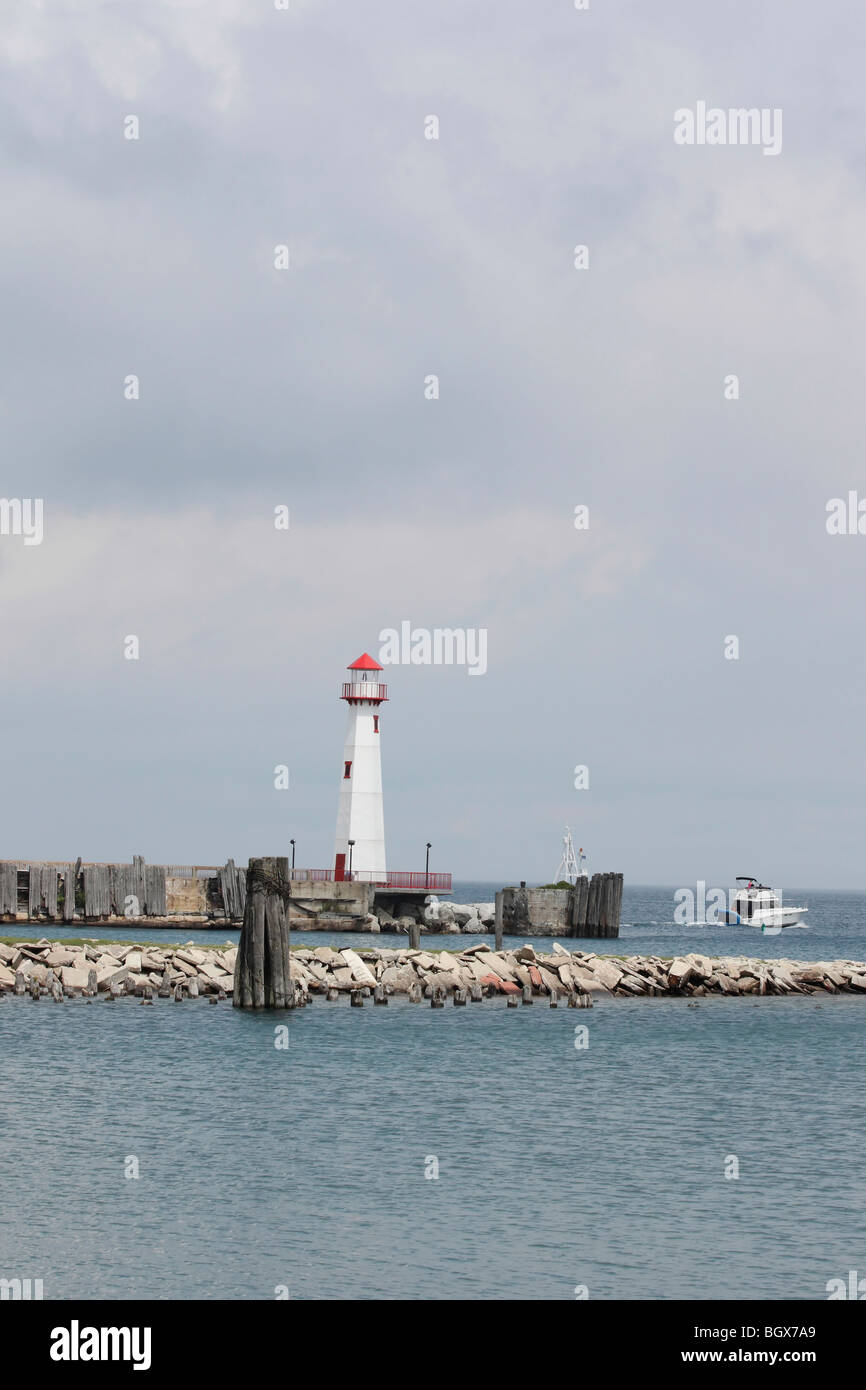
(340, 868)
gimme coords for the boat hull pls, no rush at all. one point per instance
(769, 917)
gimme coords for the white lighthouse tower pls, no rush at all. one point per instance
(360, 840)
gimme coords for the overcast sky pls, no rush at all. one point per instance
(558, 387)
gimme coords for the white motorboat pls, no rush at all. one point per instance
(753, 904)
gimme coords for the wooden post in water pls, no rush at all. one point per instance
(592, 906)
(617, 904)
(603, 901)
(604, 905)
(583, 906)
(497, 925)
(262, 978)
(579, 904)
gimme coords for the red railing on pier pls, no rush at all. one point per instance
(418, 879)
(364, 690)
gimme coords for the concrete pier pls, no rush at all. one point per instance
(591, 908)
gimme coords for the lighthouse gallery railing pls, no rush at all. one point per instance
(417, 879)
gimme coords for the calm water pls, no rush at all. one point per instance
(836, 930)
(557, 1166)
(305, 1167)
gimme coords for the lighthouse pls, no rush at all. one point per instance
(360, 841)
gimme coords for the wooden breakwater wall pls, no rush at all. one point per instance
(84, 892)
(590, 908)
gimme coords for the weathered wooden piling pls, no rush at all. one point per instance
(70, 878)
(579, 906)
(8, 890)
(233, 890)
(596, 906)
(262, 973)
(415, 936)
(590, 907)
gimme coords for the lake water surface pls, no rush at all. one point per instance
(558, 1166)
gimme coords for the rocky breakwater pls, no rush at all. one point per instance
(478, 972)
(57, 970)
(433, 916)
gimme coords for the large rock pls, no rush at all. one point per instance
(552, 983)
(211, 971)
(192, 956)
(606, 972)
(702, 967)
(475, 968)
(462, 914)
(784, 980)
(813, 975)
(634, 984)
(317, 970)
(400, 978)
(832, 972)
(190, 971)
(58, 957)
(724, 983)
(679, 973)
(73, 979)
(360, 972)
(492, 960)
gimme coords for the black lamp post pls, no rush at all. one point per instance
(351, 847)
(427, 867)
(292, 843)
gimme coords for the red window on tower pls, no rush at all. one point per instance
(375, 723)
(348, 771)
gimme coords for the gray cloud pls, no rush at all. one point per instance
(557, 387)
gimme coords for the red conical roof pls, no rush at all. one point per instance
(365, 663)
